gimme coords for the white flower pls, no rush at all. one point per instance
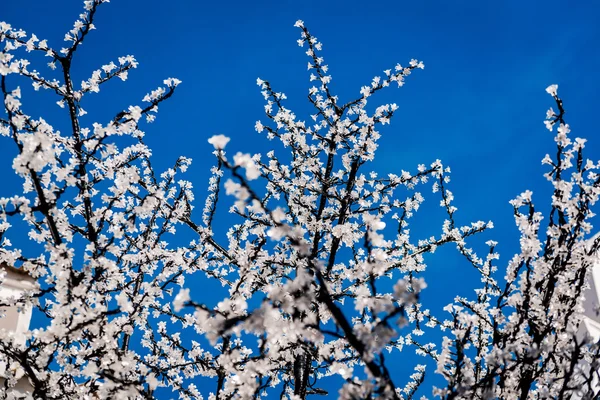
(552, 90)
(219, 141)
(182, 297)
(373, 222)
(278, 215)
(152, 382)
(259, 127)
(245, 161)
(172, 82)
(124, 302)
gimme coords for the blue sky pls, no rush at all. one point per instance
(478, 105)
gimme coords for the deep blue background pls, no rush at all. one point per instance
(478, 105)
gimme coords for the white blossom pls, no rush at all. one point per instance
(219, 141)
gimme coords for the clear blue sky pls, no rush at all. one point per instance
(478, 105)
